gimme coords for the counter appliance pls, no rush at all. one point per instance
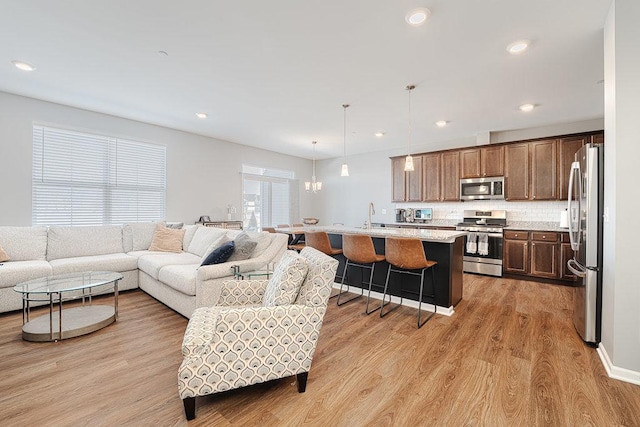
(484, 241)
(585, 206)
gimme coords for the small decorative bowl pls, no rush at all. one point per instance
(310, 221)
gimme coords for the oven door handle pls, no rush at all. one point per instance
(495, 235)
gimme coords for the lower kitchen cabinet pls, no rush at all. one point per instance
(537, 254)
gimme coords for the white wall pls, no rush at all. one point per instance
(203, 174)
(621, 313)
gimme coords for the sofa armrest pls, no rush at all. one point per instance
(242, 292)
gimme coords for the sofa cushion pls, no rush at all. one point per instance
(220, 255)
(203, 238)
(69, 242)
(264, 240)
(24, 243)
(137, 236)
(166, 239)
(109, 262)
(285, 283)
(189, 231)
(182, 278)
(244, 246)
(3, 255)
(154, 261)
(14, 272)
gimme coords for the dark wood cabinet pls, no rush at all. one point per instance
(567, 148)
(516, 252)
(398, 180)
(566, 253)
(516, 159)
(470, 163)
(482, 162)
(492, 161)
(414, 181)
(544, 184)
(450, 176)
(431, 187)
(544, 255)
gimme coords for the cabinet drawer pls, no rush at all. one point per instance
(516, 235)
(565, 238)
(544, 237)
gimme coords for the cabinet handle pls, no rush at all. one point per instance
(533, 243)
(544, 237)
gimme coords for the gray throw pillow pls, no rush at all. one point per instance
(244, 247)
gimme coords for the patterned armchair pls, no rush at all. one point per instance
(259, 330)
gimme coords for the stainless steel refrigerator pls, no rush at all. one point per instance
(586, 201)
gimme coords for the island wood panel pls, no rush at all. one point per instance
(508, 356)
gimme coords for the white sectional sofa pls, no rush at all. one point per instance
(175, 279)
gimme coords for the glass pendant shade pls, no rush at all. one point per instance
(313, 185)
(345, 170)
(408, 163)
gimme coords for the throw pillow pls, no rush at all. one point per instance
(219, 255)
(3, 255)
(244, 247)
(215, 245)
(203, 238)
(166, 239)
(285, 283)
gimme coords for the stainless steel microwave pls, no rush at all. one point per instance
(482, 188)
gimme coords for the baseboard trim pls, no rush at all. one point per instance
(445, 311)
(622, 374)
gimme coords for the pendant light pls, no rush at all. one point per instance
(313, 185)
(345, 167)
(408, 163)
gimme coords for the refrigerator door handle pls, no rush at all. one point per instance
(575, 268)
(574, 235)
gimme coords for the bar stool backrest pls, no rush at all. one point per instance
(318, 240)
(283, 226)
(297, 225)
(269, 229)
(358, 248)
(405, 253)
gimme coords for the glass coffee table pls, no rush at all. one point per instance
(69, 322)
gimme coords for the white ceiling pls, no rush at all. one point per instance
(273, 74)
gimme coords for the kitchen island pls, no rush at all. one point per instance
(445, 247)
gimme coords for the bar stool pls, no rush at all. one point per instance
(269, 229)
(320, 240)
(359, 251)
(405, 255)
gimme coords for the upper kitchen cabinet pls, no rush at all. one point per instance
(431, 183)
(450, 176)
(544, 183)
(597, 138)
(398, 180)
(567, 148)
(516, 171)
(406, 186)
(482, 162)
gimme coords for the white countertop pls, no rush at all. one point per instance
(427, 235)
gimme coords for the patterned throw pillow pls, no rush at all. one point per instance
(284, 285)
(216, 244)
(220, 255)
(244, 247)
(167, 239)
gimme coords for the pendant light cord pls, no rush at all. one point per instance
(409, 88)
(344, 133)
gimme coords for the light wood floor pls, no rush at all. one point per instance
(509, 356)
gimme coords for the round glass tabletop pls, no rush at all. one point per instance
(67, 282)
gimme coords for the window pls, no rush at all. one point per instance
(270, 197)
(84, 179)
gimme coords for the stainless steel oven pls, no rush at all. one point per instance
(484, 241)
(482, 188)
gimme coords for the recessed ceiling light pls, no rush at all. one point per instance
(441, 123)
(527, 107)
(379, 134)
(417, 16)
(201, 115)
(518, 46)
(24, 66)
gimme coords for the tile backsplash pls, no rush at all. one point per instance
(516, 211)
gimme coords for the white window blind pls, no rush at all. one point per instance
(270, 197)
(85, 179)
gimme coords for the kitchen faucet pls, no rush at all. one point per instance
(372, 211)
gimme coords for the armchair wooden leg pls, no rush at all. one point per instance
(190, 407)
(302, 381)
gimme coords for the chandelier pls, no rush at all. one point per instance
(313, 185)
